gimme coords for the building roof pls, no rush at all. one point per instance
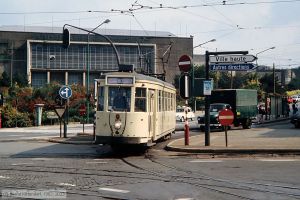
(103, 31)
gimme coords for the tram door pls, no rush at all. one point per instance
(151, 109)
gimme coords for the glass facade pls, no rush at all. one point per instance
(102, 57)
(39, 79)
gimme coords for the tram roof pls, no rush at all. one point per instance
(140, 77)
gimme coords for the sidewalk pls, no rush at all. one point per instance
(241, 142)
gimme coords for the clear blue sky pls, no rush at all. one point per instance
(253, 25)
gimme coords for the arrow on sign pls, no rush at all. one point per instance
(232, 59)
(65, 92)
(232, 67)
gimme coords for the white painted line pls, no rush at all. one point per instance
(66, 184)
(114, 190)
(4, 177)
(16, 164)
(278, 160)
(37, 137)
(226, 117)
(16, 135)
(206, 161)
(42, 159)
(185, 199)
(96, 162)
(184, 63)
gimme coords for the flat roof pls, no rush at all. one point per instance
(103, 31)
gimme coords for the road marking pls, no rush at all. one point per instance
(205, 161)
(114, 190)
(16, 164)
(16, 135)
(66, 184)
(96, 162)
(37, 137)
(185, 199)
(42, 159)
(4, 177)
(278, 160)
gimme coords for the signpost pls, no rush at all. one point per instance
(232, 59)
(207, 87)
(226, 60)
(185, 64)
(60, 112)
(226, 118)
(232, 67)
(65, 92)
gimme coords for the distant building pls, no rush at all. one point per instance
(37, 53)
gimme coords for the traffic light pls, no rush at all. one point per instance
(66, 38)
(185, 86)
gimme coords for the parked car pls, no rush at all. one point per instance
(296, 98)
(180, 114)
(295, 119)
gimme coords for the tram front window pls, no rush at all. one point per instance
(119, 98)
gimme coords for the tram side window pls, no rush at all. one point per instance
(119, 98)
(160, 101)
(100, 106)
(140, 100)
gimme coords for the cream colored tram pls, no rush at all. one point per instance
(132, 108)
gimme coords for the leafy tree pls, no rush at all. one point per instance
(4, 80)
(268, 84)
(20, 79)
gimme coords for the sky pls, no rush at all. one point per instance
(236, 25)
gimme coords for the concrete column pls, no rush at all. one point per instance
(83, 79)
(48, 77)
(66, 78)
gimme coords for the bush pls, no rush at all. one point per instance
(12, 118)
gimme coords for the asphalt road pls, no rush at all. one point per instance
(94, 172)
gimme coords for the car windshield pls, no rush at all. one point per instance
(216, 108)
(180, 110)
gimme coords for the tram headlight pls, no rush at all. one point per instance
(118, 124)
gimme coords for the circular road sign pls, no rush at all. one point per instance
(226, 117)
(65, 92)
(185, 63)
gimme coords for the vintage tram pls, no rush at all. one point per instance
(133, 109)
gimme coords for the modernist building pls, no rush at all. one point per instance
(37, 52)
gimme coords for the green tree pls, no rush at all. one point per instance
(4, 80)
(20, 79)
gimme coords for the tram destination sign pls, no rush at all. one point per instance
(232, 67)
(232, 59)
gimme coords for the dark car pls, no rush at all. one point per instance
(295, 119)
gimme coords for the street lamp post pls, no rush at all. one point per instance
(193, 71)
(267, 106)
(88, 68)
(263, 51)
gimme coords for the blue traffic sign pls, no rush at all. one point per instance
(65, 92)
(232, 67)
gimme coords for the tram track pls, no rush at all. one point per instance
(147, 172)
(218, 185)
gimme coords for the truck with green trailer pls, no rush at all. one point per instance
(242, 102)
